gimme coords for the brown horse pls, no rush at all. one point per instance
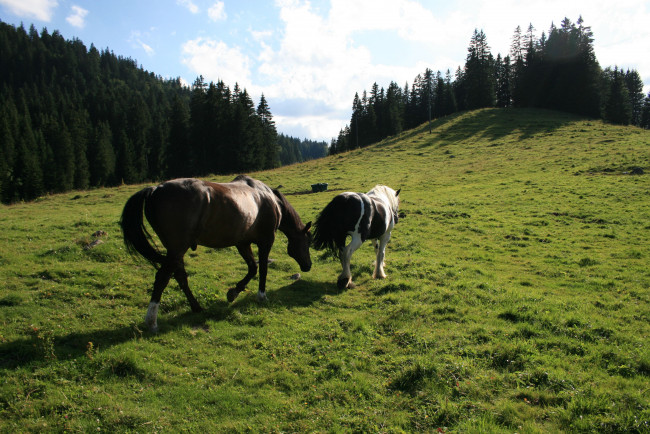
(188, 212)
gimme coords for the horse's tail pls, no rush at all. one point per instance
(328, 233)
(136, 237)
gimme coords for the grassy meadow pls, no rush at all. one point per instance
(517, 299)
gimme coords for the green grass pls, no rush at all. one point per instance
(516, 300)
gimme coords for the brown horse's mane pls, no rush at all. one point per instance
(290, 219)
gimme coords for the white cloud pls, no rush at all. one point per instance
(136, 41)
(217, 12)
(215, 60)
(78, 17)
(39, 9)
(313, 127)
(189, 5)
(150, 51)
(318, 60)
(320, 53)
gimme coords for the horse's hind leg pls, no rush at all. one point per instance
(246, 252)
(162, 279)
(181, 277)
(345, 278)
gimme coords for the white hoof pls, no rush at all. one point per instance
(151, 319)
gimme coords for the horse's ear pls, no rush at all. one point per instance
(307, 227)
(397, 192)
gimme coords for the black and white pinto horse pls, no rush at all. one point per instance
(370, 216)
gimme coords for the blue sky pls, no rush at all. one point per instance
(310, 57)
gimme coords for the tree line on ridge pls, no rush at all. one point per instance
(78, 118)
(558, 71)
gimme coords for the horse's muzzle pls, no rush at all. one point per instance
(305, 268)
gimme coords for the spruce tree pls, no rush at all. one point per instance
(645, 113)
(101, 156)
(634, 86)
(269, 135)
(618, 109)
(479, 73)
(178, 142)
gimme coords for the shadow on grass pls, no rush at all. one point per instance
(495, 124)
(490, 124)
(43, 347)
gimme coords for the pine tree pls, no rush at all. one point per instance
(618, 109)
(634, 86)
(79, 135)
(247, 144)
(645, 113)
(394, 109)
(101, 156)
(197, 155)
(28, 174)
(504, 81)
(269, 135)
(8, 132)
(125, 171)
(178, 147)
(217, 117)
(517, 76)
(357, 112)
(479, 73)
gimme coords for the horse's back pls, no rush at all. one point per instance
(350, 213)
(187, 212)
(244, 210)
(175, 210)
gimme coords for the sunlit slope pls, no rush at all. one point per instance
(508, 185)
(516, 300)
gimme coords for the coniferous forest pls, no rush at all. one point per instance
(73, 117)
(557, 71)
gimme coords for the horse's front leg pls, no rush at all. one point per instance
(264, 249)
(246, 252)
(380, 249)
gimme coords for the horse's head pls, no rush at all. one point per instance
(298, 247)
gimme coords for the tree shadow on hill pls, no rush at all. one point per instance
(495, 124)
(42, 347)
(485, 124)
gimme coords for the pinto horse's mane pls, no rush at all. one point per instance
(388, 194)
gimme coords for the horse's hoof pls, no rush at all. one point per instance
(232, 294)
(197, 309)
(343, 282)
(351, 285)
(261, 297)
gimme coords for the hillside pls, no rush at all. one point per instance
(516, 300)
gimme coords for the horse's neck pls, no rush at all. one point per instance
(382, 198)
(288, 224)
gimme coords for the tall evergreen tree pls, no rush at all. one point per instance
(634, 86)
(479, 73)
(178, 149)
(504, 81)
(269, 137)
(645, 113)
(618, 108)
(199, 128)
(101, 156)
